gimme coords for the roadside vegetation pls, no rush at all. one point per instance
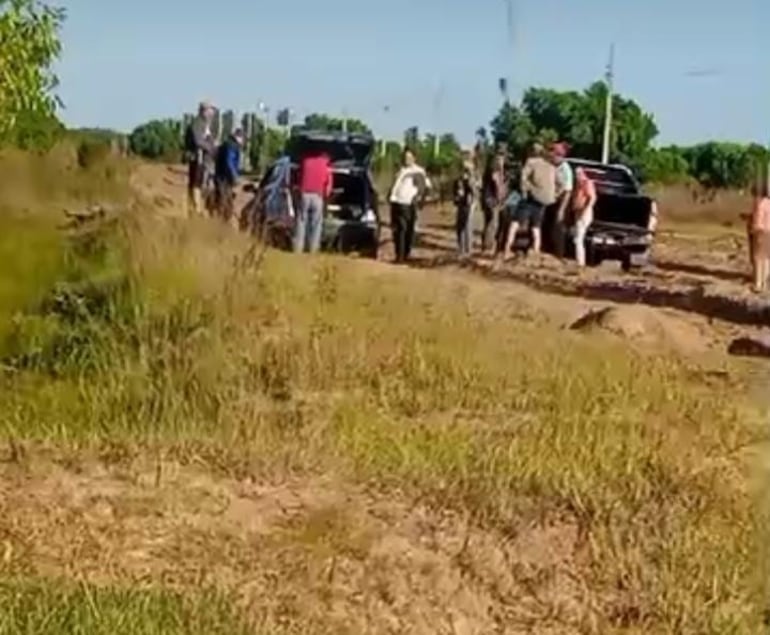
(201, 437)
(136, 339)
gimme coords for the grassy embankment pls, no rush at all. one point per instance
(148, 341)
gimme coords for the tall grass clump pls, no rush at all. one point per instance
(183, 336)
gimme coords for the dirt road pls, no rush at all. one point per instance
(698, 277)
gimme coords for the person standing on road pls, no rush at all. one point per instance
(538, 191)
(409, 188)
(315, 186)
(583, 204)
(495, 188)
(199, 153)
(226, 173)
(760, 237)
(465, 196)
(564, 187)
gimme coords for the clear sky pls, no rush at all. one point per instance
(435, 63)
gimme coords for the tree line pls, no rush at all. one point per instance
(29, 30)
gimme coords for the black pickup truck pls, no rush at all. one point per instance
(624, 218)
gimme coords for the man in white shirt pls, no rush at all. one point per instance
(408, 190)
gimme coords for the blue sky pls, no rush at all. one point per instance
(435, 63)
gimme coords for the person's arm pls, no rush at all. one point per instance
(328, 182)
(526, 173)
(232, 164)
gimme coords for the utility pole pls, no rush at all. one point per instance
(609, 79)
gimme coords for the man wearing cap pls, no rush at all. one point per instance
(564, 188)
(200, 151)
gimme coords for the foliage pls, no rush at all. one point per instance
(546, 115)
(29, 46)
(319, 121)
(157, 139)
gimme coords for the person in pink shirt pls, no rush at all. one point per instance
(760, 238)
(315, 186)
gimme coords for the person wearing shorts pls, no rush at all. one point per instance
(538, 191)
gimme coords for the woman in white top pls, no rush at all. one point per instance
(408, 189)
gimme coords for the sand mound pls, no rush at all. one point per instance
(644, 325)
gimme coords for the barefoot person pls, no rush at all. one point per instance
(583, 203)
(760, 238)
(538, 191)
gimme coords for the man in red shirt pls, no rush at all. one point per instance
(315, 185)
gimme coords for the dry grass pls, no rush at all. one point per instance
(178, 343)
(681, 205)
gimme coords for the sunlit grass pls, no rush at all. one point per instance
(182, 337)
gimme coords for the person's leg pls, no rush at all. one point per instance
(397, 230)
(519, 216)
(461, 230)
(194, 185)
(581, 227)
(535, 224)
(315, 223)
(409, 230)
(559, 229)
(486, 232)
(468, 232)
(503, 224)
(300, 225)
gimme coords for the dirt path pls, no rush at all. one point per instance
(696, 287)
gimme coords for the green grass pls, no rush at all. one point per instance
(62, 608)
(158, 335)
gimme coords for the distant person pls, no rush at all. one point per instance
(495, 187)
(538, 191)
(465, 196)
(200, 151)
(406, 194)
(226, 173)
(583, 203)
(315, 186)
(760, 238)
(564, 187)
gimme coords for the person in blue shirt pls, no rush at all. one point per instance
(226, 173)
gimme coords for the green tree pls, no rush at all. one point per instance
(157, 139)
(29, 46)
(546, 115)
(319, 121)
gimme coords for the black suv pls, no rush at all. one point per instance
(351, 219)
